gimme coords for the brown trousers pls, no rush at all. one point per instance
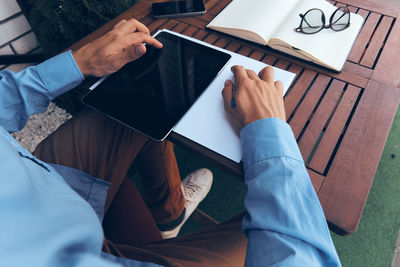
(105, 149)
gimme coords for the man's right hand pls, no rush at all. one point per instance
(256, 96)
(109, 53)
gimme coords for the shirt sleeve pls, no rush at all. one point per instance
(284, 223)
(31, 90)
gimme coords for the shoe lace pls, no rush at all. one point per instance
(190, 189)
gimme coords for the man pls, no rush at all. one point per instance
(45, 223)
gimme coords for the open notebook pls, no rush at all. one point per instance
(272, 23)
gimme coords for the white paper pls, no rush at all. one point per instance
(206, 122)
(262, 17)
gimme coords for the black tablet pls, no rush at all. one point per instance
(152, 93)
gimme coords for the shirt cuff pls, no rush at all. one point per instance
(60, 74)
(268, 138)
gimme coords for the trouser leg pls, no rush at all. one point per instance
(106, 149)
(128, 220)
(94, 144)
(163, 196)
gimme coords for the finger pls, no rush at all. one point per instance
(140, 26)
(239, 73)
(267, 74)
(119, 24)
(278, 85)
(136, 51)
(251, 74)
(139, 37)
(133, 25)
(227, 93)
(153, 42)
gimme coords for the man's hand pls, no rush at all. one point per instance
(256, 97)
(109, 53)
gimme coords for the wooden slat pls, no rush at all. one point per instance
(347, 184)
(350, 77)
(357, 69)
(141, 10)
(282, 64)
(269, 59)
(211, 38)
(308, 104)
(170, 24)
(222, 42)
(205, 17)
(210, 4)
(363, 13)
(245, 50)
(377, 42)
(388, 8)
(316, 180)
(335, 128)
(387, 70)
(198, 22)
(218, 7)
(320, 118)
(233, 46)
(295, 69)
(190, 31)
(200, 35)
(257, 54)
(364, 37)
(352, 9)
(147, 20)
(180, 27)
(298, 90)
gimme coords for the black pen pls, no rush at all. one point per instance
(233, 100)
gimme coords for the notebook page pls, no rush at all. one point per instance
(328, 46)
(260, 16)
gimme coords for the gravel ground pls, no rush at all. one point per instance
(39, 126)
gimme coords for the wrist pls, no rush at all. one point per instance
(81, 62)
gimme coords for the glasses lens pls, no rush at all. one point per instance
(340, 20)
(313, 21)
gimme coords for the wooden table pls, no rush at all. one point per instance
(341, 121)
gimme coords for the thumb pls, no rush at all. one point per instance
(227, 93)
(137, 51)
(279, 85)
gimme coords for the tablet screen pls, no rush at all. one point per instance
(152, 93)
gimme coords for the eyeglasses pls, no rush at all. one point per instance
(314, 20)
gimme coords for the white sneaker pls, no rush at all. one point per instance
(195, 188)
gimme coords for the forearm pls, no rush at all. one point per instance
(285, 223)
(31, 90)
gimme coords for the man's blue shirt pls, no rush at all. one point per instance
(46, 221)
